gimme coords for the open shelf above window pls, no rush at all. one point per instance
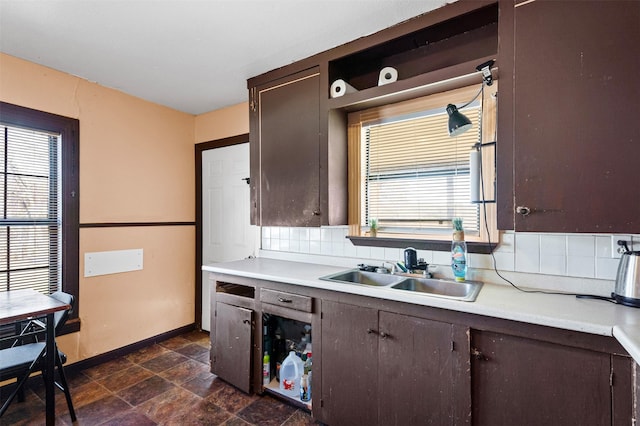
(420, 57)
(421, 85)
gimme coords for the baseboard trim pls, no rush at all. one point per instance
(125, 350)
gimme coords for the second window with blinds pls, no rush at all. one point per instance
(407, 174)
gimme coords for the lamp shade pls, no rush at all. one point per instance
(458, 122)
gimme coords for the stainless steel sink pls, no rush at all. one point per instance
(464, 291)
(356, 276)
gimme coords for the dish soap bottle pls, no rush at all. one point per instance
(458, 251)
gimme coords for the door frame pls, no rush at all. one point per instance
(199, 148)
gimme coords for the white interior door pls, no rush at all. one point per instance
(226, 230)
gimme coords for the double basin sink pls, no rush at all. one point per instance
(466, 291)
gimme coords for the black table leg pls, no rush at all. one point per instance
(49, 373)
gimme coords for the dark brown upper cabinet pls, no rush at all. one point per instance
(298, 134)
(285, 170)
(569, 102)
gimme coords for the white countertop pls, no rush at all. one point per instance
(500, 301)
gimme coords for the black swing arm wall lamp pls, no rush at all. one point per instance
(458, 122)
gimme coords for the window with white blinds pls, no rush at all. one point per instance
(406, 172)
(416, 177)
(30, 221)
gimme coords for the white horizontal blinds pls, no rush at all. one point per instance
(415, 176)
(30, 224)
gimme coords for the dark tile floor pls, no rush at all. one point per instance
(165, 384)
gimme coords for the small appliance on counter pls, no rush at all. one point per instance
(410, 258)
(627, 290)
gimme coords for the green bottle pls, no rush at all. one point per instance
(266, 369)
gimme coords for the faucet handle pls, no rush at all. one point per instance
(392, 270)
(421, 265)
(366, 268)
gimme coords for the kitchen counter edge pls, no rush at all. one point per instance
(499, 301)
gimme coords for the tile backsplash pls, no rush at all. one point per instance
(557, 261)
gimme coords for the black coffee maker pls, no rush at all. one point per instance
(410, 258)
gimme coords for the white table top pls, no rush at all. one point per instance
(499, 301)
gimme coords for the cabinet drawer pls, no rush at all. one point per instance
(284, 299)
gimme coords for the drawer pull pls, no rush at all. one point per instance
(286, 300)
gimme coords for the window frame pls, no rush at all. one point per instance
(483, 243)
(69, 129)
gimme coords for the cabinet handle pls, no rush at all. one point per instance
(478, 355)
(523, 210)
(283, 300)
(381, 333)
(246, 321)
(316, 212)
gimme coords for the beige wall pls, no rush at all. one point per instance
(222, 123)
(136, 165)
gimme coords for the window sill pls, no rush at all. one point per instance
(436, 245)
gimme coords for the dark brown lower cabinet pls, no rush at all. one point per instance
(382, 368)
(386, 363)
(349, 365)
(521, 381)
(415, 371)
(231, 345)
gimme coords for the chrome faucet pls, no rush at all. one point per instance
(391, 270)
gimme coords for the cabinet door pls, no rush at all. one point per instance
(415, 371)
(231, 345)
(349, 365)
(518, 381)
(576, 97)
(287, 163)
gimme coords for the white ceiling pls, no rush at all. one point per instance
(191, 55)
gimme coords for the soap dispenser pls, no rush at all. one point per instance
(458, 251)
